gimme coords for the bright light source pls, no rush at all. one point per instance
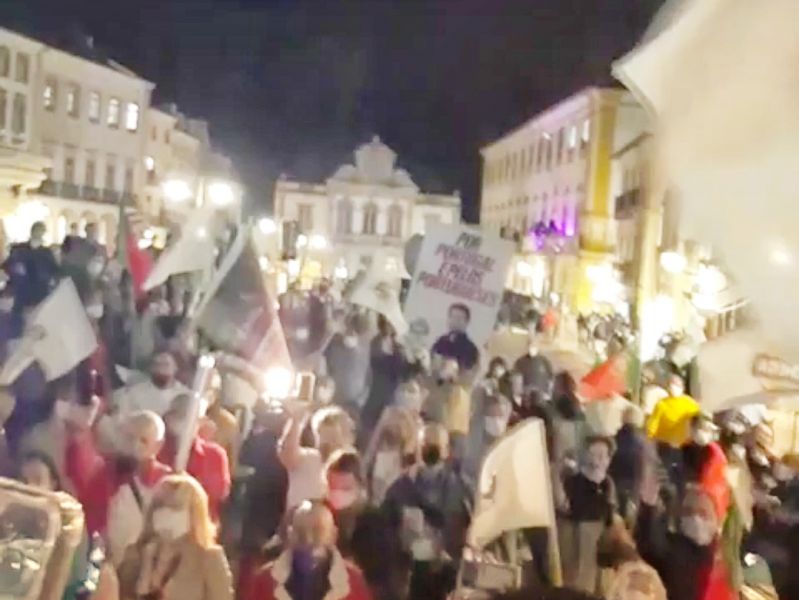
(148, 234)
(293, 267)
(149, 163)
(143, 243)
(267, 226)
(177, 190)
(781, 257)
(524, 269)
(221, 193)
(302, 240)
(263, 263)
(202, 232)
(710, 280)
(317, 242)
(341, 272)
(279, 382)
(673, 262)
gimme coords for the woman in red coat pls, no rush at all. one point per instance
(311, 567)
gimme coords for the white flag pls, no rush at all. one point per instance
(379, 289)
(193, 251)
(58, 336)
(719, 76)
(514, 489)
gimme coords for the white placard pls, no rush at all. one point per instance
(457, 265)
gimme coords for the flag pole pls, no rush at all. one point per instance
(553, 547)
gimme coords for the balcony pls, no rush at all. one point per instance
(110, 196)
(73, 191)
(91, 193)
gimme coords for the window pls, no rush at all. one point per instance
(5, 61)
(50, 93)
(91, 177)
(541, 151)
(431, 220)
(73, 100)
(559, 153)
(572, 137)
(369, 219)
(22, 70)
(395, 221)
(94, 107)
(128, 185)
(530, 157)
(305, 217)
(549, 153)
(3, 108)
(110, 174)
(112, 119)
(132, 117)
(69, 170)
(344, 217)
(19, 115)
(585, 136)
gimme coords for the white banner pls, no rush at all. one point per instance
(457, 265)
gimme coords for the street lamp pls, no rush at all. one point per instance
(302, 241)
(317, 242)
(267, 226)
(221, 193)
(177, 190)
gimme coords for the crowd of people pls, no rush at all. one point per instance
(365, 489)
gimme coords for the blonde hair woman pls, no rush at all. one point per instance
(177, 556)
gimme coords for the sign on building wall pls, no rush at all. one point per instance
(458, 267)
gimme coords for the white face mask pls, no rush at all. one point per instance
(324, 394)
(341, 499)
(301, 334)
(350, 341)
(495, 426)
(387, 465)
(170, 523)
(676, 390)
(698, 530)
(498, 372)
(95, 311)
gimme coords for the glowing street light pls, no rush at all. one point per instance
(267, 225)
(221, 193)
(673, 262)
(317, 242)
(302, 240)
(177, 190)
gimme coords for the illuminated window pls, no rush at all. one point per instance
(112, 120)
(73, 101)
(585, 135)
(94, 107)
(572, 137)
(50, 93)
(132, 117)
(559, 154)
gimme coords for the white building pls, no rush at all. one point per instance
(89, 120)
(364, 207)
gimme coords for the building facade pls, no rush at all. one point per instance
(547, 185)
(363, 208)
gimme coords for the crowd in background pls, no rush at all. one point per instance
(366, 489)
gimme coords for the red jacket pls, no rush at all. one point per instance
(346, 581)
(208, 464)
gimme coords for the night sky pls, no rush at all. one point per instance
(292, 86)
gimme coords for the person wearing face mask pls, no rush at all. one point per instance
(303, 450)
(32, 270)
(393, 448)
(486, 428)
(591, 498)
(347, 361)
(155, 394)
(176, 556)
(688, 560)
(207, 462)
(536, 369)
(311, 568)
(428, 510)
(361, 527)
(449, 402)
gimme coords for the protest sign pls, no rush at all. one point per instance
(457, 265)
